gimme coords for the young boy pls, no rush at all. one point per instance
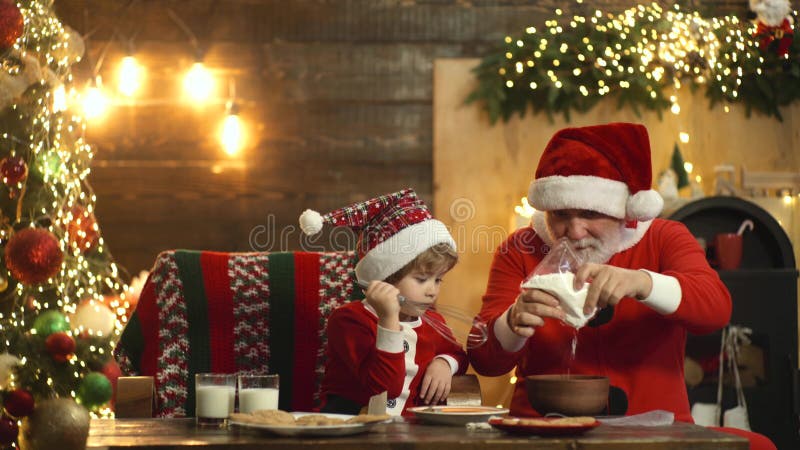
(378, 344)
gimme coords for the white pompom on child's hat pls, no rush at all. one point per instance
(393, 230)
(311, 222)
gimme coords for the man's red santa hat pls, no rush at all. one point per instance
(393, 230)
(603, 168)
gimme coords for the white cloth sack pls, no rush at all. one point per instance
(560, 286)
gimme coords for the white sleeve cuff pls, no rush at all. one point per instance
(389, 340)
(510, 341)
(666, 294)
(452, 361)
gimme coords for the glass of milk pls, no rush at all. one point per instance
(215, 394)
(258, 392)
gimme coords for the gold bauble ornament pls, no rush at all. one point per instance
(3, 282)
(58, 423)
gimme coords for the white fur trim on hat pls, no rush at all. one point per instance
(310, 222)
(599, 194)
(644, 205)
(400, 249)
(579, 192)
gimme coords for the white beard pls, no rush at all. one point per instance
(596, 250)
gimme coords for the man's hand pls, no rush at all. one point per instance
(530, 310)
(609, 284)
(383, 298)
(436, 383)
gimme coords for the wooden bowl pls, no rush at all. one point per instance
(571, 395)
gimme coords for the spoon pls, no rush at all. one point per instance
(478, 332)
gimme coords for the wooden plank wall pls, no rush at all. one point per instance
(337, 95)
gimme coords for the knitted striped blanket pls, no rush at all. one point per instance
(235, 313)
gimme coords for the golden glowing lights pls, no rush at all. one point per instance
(130, 76)
(684, 137)
(199, 83)
(524, 209)
(95, 101)
(59, 99)
(645, 49)
(232, 135)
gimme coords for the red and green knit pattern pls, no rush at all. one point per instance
(233, 313)
(250, 286)
(172, 337)
(335, 285)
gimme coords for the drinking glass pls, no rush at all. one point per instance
(258, 392)
(215, 394)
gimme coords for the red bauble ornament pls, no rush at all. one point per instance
(8, 430)
(60, 346)
(112, 371)
(33, 255)
(18, 403)
(14, 170)
(82, 229)
(11, 23)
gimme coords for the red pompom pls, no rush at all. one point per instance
(60, 346)
(11, 23)
(14, 170)
(8, 431)
(82, 229)
(18, 403)
(33, 255)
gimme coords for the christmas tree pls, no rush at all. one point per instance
(60, 311)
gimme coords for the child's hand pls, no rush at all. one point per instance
(383, 298)
(435, 385)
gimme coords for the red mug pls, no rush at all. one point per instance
(728, 247)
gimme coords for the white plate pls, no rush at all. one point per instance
(312, 430)
(456, 415)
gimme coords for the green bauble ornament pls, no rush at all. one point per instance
(47, 163)
(95, 390)
(57, 423)
(50, 322)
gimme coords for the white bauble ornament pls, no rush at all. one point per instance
(93, 317)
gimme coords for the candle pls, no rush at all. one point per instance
(254, 399)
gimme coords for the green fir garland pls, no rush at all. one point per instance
(639, 57)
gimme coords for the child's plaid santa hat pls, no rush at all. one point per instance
(393, 230)
(603, 168)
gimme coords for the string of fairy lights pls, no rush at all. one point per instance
(643, 55)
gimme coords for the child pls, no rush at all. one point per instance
(378, 344)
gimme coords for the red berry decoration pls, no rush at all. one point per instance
(11, 23)
(18, 403)
(60, 346)
(14, 170)
(82, 229)
(33, 255)
(8, 431)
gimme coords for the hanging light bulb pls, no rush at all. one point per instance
(130, 75)
(232, 132)
(59, 98)
(198, 83)
(95, 101)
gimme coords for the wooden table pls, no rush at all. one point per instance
(177, 434)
